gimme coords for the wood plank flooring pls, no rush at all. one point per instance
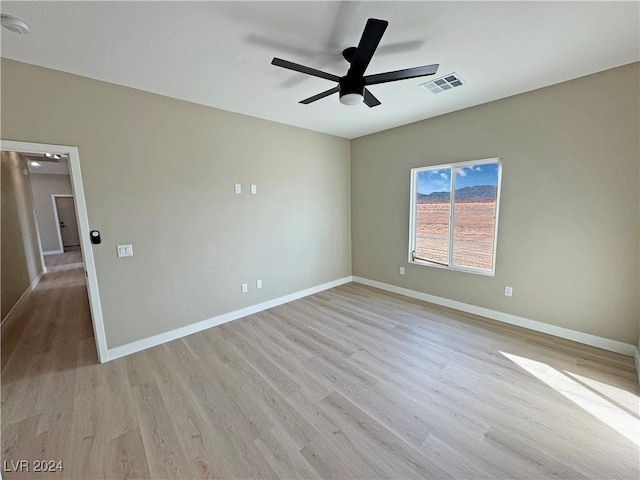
(71, 258)
(349, 383)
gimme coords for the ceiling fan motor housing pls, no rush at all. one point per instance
(351, 90)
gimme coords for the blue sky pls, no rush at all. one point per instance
(431, 181)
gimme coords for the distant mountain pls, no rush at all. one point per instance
(435, 197)
(479, 193)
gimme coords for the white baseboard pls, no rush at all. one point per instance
(36, 281)
(24, 295)
(636, 359)
(165, 337)
(52, 252)
(580, 337)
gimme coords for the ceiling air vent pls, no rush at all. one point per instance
(447, 82)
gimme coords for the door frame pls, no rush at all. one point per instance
(55, 213)
(83, 230)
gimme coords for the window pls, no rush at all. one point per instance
(454, 215)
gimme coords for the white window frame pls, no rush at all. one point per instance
(414, 209)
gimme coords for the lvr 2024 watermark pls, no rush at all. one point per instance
(35, 466)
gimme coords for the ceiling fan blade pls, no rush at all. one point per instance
(278, 62)
(369, 41)
(401, 74)
(369, 100)
(309, 100)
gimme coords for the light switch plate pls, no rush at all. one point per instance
(254, 189)
(258, 283)
(125, 250)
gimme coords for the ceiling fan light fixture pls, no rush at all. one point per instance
(351, 98)
(351, 90)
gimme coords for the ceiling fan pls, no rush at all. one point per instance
(353, 86)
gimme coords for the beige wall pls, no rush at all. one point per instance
(20, 260)
(569, 233)
(43, 186)
(159, 174)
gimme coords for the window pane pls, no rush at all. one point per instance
(474, 216)
(432, 215)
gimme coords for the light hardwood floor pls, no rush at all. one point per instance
(349, 383)
(72, 258)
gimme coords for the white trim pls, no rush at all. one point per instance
(36, 281)
(453, 173)
(53, 252)
(580, 337)
(57, 218)
(83, 230)
(636, 360)
(24, 295)
(43, 265)
(165, 337)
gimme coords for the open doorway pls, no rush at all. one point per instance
(68, 235)
(65, 210)
(74, 215)
(52, 195)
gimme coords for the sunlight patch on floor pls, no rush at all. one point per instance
(623, 398)
(603, 403)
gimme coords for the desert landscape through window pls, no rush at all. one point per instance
(474, 215)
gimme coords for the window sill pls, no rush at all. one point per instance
(476, 271)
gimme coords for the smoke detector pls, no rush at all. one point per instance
(14, 24)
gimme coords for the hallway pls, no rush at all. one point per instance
(39, 366)
(71, 258)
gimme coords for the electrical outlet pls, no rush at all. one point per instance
(254, 189)
(508, 291)
(238, 188)
(401, 270)
(258, 283)
(244, 288)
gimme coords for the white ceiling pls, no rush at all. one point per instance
(219, 53)
(37, 163)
